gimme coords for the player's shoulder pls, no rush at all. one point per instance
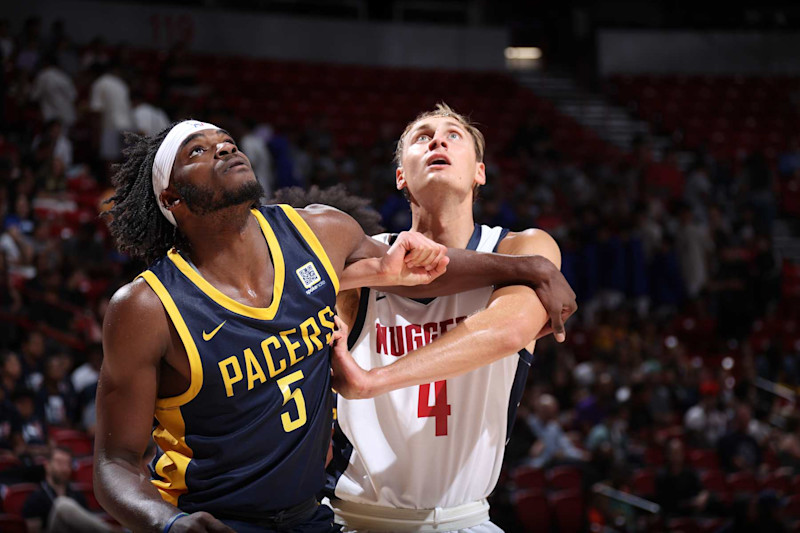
(532, 241)
(321, 214)
(529, 238)
(135, 299)
(327, 221)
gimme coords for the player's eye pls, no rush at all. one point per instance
(196, 150)
(454, 135)
(423, 138)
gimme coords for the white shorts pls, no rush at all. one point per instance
(361, 518)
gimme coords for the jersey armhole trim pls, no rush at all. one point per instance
(195, 364)
(361, 316)
(312, 240)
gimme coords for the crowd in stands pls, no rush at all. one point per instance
(677, 381)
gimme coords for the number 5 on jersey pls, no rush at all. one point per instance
(296, 395)
(440, 409)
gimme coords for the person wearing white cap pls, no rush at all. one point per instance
(225, 338)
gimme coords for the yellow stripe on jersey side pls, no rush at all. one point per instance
(195, 364)
(260, 313)
(312, 240)
(170, 435)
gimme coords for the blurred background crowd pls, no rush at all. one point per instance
(677, 381)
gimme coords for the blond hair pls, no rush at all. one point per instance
(444, 110)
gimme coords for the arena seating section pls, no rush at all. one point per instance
(727, 115)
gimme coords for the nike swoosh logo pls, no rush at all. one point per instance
(209, 336)
(381, 297)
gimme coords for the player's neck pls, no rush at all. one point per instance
(226, 244)
(451, 225)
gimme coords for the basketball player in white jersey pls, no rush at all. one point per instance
(420, 446)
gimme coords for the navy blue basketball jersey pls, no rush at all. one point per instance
(251, 433)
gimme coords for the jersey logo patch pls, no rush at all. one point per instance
(309, 277)
(209, 336)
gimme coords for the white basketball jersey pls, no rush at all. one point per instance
(433, 445)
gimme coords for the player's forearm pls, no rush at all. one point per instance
(365, 273)
(469, 270)
(477, 341)
(129, 496)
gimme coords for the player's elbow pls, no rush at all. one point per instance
(517, 331)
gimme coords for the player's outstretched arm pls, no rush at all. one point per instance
(360, 260)
(511, 321)
(414, 266)
(136, 336)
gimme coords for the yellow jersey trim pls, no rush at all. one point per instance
(260, 313)
(312, 240)
(195, 364)
(170, 435)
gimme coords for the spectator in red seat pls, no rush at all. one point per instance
(10, 436)
(737, 449)
(10, 372)
(57, 507)
(32, 352)
(694, 247)
(553, 445)
(678, 489)
(56, 402)
(705, 421)
(32, 426)
(664, 179)
(110, 101)
(55, 92)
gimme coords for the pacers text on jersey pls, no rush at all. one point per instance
(278, 352)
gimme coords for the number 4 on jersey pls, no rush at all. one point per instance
(440, 409)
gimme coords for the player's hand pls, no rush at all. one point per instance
(556, 296)
(199, 522)
(347, 378)
(414, 259)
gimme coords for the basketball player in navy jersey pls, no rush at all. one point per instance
(224, 338)
(420, 445)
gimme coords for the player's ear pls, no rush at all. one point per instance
(480, 174)
(400, 179)
(169, 198)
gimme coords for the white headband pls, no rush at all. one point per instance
(165, 158)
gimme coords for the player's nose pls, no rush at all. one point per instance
(226, 148)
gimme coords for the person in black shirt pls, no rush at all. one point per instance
(678, 489)
(55, 506)
(738, 450)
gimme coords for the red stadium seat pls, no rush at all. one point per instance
(742, 482)
(683, 525)
(527, 477)
(568, 509)
(792, 506)
(704, 459)
(80, 443)
(564, 478)
(8, 461)
(12, 524)
(644, 483)
(714, 481)
(84, 471)
(14, 496)
(532, 510)
(88, 492)
(778, 481)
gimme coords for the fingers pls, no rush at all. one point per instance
(557, 323)
(420, 250)
(341, 327)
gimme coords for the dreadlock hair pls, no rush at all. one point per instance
(136, 222)
(336, 196)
